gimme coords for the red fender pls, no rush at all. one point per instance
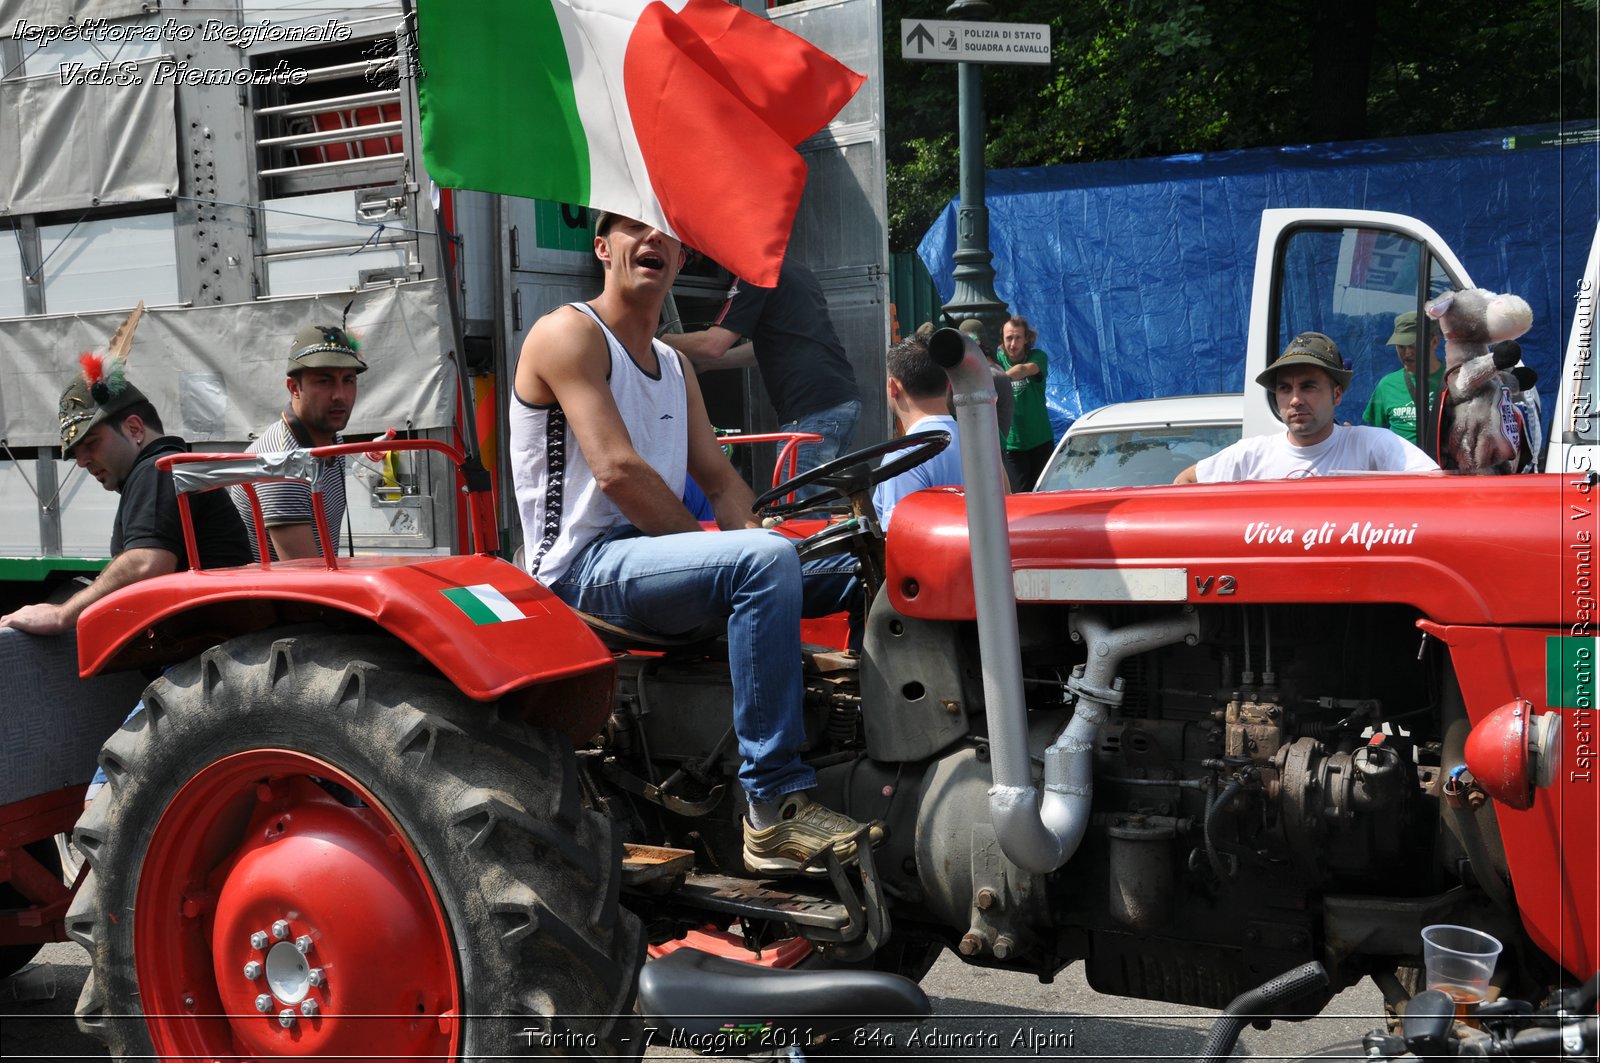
(1549, 846)
(442, 607)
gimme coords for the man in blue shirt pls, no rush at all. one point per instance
(919, 396)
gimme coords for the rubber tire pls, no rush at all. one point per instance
(69, 858)
(527, 879)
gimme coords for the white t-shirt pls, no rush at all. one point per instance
(562, 506)
(1351, 448)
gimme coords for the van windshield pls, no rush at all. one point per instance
(1133, 457)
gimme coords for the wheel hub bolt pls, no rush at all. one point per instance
(308, 1008)
(264, 1003)
(252, 970)
(316, 977)
(280, 930)
(286, 1018)
(303, 943)
(259, 940)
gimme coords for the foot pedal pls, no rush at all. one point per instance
(761, 899)
(853, 924)
(651, 863)
(828, 661)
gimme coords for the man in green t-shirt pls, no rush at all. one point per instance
(1394, 401)
(1031, 439)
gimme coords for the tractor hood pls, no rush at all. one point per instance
(1511, 550)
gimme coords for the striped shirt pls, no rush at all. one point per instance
(285, 502)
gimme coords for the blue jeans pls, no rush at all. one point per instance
(676, 584)
(837, 427)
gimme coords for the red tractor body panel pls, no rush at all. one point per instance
(1485, 550)
(1500, 569)
(1561, 911)
(443, 607)
(41, 917)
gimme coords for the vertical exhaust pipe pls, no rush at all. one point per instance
(1013, 800)
(1036, 833)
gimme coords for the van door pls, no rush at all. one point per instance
(1346, 274)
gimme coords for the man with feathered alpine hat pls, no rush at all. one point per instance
(113, 432)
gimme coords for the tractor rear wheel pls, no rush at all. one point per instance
(313, 845)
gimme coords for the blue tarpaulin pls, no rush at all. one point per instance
(1137, 274)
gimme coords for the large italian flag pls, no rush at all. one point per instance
(681, 113)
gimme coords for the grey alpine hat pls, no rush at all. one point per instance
(84, 405)
(102, 389)
(324, 347)
(1313, 349)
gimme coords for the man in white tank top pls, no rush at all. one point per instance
(605, 426)
(1305, 384)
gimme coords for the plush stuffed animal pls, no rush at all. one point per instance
(1526, 397)
(1481, 429)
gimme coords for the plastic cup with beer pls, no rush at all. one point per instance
(1459, 961)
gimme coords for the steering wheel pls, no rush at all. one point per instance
(852, 473)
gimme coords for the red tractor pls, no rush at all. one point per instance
(1192, 737)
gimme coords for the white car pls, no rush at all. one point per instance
(1135, 444)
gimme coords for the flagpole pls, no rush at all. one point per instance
(974, 294)
(475, 477)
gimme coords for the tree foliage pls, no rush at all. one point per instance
(1135, 78)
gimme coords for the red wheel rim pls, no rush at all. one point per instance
(278, 916)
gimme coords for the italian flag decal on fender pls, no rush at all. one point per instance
(683, 114)
(483, 604)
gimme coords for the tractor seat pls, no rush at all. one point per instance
(623, 640)
(706, 995)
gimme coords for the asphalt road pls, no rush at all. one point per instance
(978, 1014)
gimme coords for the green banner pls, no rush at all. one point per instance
(562, 226)
(38, 569)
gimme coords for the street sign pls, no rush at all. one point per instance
(937, 41)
